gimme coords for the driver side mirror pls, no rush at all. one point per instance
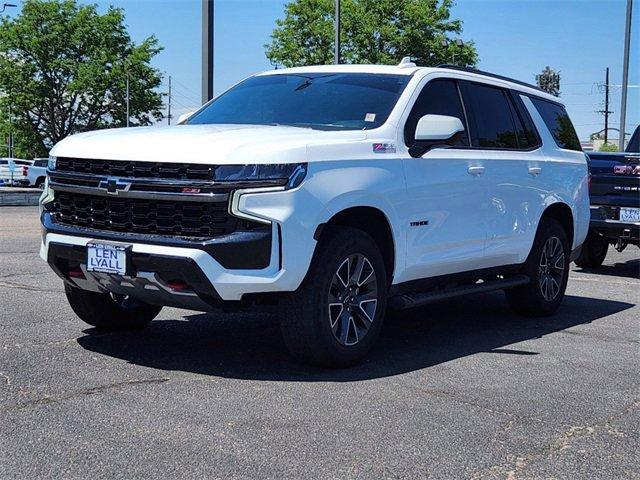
(433, 130)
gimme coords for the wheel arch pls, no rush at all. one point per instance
(562, 213)
(372, 221)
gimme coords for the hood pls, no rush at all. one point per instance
(212, 144)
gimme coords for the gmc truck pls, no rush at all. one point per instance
(329, 192)
(614, 189)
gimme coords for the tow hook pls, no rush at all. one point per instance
(622, 244)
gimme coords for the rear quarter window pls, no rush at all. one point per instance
(559, 124)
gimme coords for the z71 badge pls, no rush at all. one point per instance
(384, 148)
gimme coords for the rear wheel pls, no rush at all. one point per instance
(594, 251)
(110, 311)
(334, 318)
(548, 268)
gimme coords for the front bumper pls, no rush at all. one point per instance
(206, 278)
(290, 249)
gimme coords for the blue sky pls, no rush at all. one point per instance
(515, 38)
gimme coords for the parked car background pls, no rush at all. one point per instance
(614, 191)
(37, 172)
(19, 174)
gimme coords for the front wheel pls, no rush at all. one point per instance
(109, 311)
(335, 317)
(548, 268)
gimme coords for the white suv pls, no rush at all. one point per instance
(329, 191)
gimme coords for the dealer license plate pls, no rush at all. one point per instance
(629, 214)
(107, 258)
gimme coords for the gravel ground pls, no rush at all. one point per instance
(460, 389)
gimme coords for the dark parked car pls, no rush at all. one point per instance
(614, 190)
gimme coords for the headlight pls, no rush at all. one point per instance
(52, 163)
(289, 175)
(47, 195)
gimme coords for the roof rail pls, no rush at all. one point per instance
(492, 75)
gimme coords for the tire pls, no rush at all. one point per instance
(40, 183)
(594, 251)
(548, 268)
(110, 312)
(326, 323)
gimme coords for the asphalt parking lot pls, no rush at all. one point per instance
(461, 389)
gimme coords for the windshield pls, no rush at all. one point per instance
(346, 101)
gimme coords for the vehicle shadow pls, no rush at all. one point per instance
(628, 269)
(249, 346)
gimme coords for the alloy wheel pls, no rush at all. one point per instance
(353, 299)
(551, 270)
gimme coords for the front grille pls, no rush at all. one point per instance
(153, 217)
(119, 168)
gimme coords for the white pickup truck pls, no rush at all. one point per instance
(37, 172)
(331, 192)
(14, 171)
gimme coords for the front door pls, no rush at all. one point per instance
(447, 197)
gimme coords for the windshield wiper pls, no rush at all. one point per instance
(309, 80)
(303, 85)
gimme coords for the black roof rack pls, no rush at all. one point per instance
(492, 75)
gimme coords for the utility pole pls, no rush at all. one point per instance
(169, 112)
(10, 135)
(207, 50)
(606, 110)
(127, 94)
(625, 76)
(336, 27)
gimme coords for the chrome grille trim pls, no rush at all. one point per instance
(141, 194)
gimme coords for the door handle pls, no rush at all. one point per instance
(535, 171)
(475, 171)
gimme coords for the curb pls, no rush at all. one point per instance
(19, 196)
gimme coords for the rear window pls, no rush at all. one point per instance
(558, 123)
(40, 163)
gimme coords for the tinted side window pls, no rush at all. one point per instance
(558, 123)
(528, 138)
(491, 121)
(40, 163)
(438, 97)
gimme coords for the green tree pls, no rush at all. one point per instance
(549, 81)
(63, 70)
(608, 147)
(372, 31)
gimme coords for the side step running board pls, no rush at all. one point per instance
(417, 299)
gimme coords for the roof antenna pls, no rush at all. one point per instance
(406, 63)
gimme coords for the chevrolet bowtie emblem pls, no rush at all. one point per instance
(113, 186)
